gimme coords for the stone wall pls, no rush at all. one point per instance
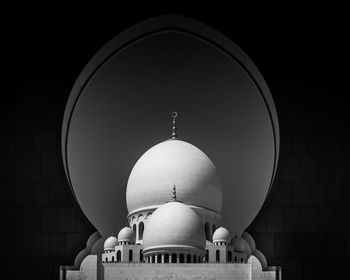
(177, 271)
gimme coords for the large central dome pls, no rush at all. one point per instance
(174, 162)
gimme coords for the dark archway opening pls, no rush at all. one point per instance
(217, 255)
(141, 256)
(141, 229)
(229, 256)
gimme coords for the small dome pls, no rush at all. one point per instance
(238, 243)
(174, 225)
(247, 250)
(80, 257)
(92, 239)
(260, 256)
(256, 265)
(250, 240)
(221, 235)
(126, 234)
(174, 162)
(110, 243)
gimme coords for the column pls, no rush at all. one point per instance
(162, 258)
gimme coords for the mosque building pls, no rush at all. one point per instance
(174, 200)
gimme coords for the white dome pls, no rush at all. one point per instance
(174, 225)
(260, 256)
(221, 235)
(126, 234)
(256, 265)
(174, 162)
(110, 243)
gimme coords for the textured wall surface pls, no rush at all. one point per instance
(304, 226)
(178, 271)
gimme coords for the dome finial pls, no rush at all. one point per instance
(174, 133)
(174, 196)
(174, 193)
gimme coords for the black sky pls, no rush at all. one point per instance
(290, 44)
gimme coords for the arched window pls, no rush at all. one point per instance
(241, 259)
(130, 255)
(229, 256)
(182, 258)
(153, 259)
(194, 259)
(166, 258)
(159, 259)
(141, 228)
(106, 260)
(118, 256)
(217, 255)
(173, 258)
(207, 231)
(112, 259)
(188, 258)
(206, 255)
(141, 255)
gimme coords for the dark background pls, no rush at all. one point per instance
(305, 224)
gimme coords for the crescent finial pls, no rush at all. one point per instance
(174, 130)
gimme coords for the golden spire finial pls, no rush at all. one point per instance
(174, 133)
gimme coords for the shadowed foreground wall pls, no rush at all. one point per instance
(304, 226)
